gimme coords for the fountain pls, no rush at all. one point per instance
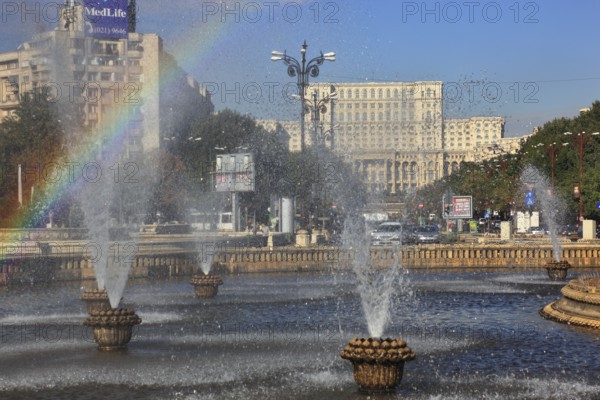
(113, 327)
(557, 270)
(279, 334)
(580, 304)
(378, 364)
(206, 284)
(551, 204)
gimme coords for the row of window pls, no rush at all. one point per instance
(108, 77)
(13, 64)
(102, 47)
(105, 61)
(428, 117)
(350, 105)
(366, 94)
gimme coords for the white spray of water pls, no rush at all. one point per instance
(376, 286)
(94, 198)
(552, 205)
(111, 261)
(206, 264)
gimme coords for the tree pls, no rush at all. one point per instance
(567, 158)
(34, 137)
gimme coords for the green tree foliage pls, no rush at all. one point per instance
(36, 138)
(566, 168)
(496, 183)
(231, 132)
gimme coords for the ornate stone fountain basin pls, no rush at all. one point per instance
(113, 328)
(206, 286)
(580, 304)
(557, 270)
(378, 364)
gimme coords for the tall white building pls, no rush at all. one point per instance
(101, 75)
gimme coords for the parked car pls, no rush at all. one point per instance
(428, 234)
(569, 230)
(495, 225)
(392, 233)
(387, 233)
(536, 230)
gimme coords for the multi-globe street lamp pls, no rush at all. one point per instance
(318, 107)
(303, 70)
(580, 140)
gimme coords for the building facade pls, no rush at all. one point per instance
(101, 76)
(394, 133)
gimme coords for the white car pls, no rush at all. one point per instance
(387, 233)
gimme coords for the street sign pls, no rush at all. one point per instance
(598, 204)
(529, 199)
(421, 205)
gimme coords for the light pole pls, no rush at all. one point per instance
(580, 140)
(553, 150)
(303, 70)
(318, 107)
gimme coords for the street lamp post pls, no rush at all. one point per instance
(553, 150)
(580, 140)
(303, 70)
(319, 106)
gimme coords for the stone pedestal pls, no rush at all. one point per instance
(378, 364)
(558, 270)
(302, 238)
(112, 328)
(206, 286)
(589, 229)
(505, 230)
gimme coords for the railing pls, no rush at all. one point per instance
(182, 258)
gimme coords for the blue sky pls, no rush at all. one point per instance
(540, 55)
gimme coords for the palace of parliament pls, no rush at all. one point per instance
(394, 133)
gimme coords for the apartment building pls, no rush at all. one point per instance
(102, 74)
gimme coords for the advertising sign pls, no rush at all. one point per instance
(462, 207)
(234, 173)
(106, 19)
(473, 226)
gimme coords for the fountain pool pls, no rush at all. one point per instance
(476, 335)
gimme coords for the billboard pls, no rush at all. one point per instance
(234, 173)
(462, 207)
(106, 19)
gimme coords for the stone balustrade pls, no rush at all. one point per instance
(170, 259)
